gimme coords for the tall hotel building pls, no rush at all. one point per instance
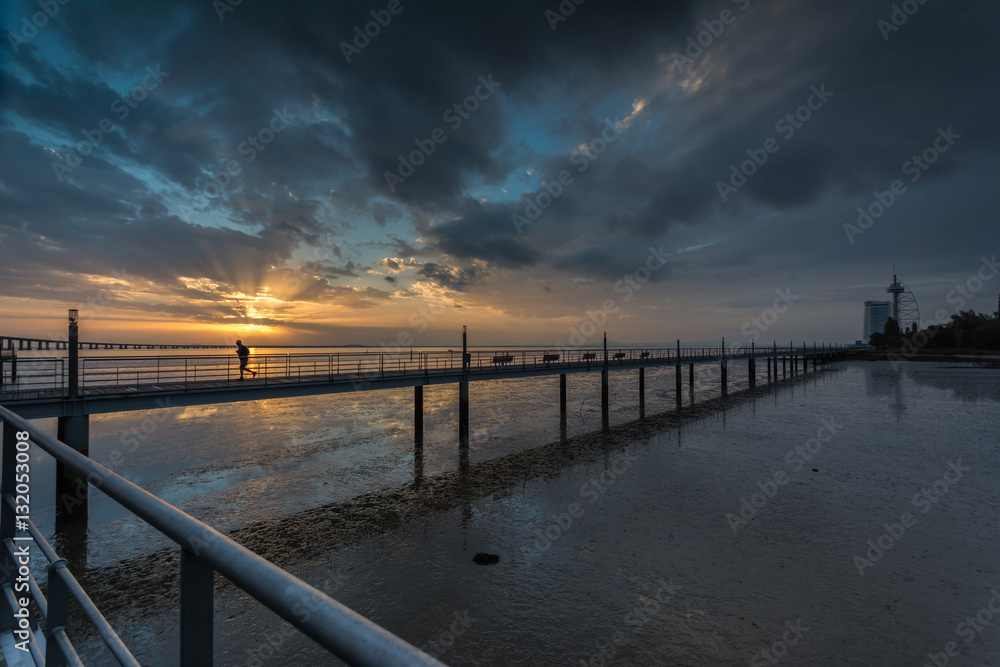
(876, 313)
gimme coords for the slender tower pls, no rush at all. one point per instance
(895, 289)
(904, 309)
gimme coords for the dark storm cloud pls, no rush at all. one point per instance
(452, 277)
(482, 231)
(319, 182)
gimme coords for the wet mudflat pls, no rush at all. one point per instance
(849, 518)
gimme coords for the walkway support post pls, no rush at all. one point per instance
(678, 374)
(463, 394)
(752, 366)
(691, 381)
(724, 373)
(71, 489)
(775, 364)
(604, 386)
(418, 415)
(562, 405)
(642, 393)
(74, 353)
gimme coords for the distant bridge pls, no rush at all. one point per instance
(26, 343)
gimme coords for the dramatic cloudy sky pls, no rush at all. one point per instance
(119, 121)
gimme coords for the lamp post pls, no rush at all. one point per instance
(74, 352)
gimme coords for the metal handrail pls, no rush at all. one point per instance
(342, 631)
(137, 371)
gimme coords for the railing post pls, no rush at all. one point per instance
(58, 616)
(197, 611)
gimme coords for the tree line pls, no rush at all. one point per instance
(966, 330)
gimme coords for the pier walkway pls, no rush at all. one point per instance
(124, 383)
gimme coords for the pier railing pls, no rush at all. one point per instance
(204, 551)
(184, 371)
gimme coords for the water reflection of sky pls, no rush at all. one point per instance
(335, 478)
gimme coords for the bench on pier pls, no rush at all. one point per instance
(619, 355)
(589, 356)
(503, 359)
(550, 357)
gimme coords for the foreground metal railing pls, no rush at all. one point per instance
(204, 551)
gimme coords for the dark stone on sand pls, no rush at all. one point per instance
(486, 559)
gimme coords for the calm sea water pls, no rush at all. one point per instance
(621, 548)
